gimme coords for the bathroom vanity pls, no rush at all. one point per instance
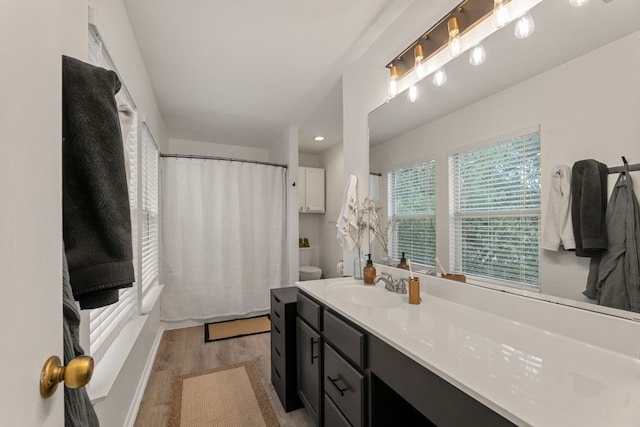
(368, 358)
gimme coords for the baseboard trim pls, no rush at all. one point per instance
(142, 385)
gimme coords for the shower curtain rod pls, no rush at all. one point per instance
(228, 159)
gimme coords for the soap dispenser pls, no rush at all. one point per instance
(369, 272)
(403, 263)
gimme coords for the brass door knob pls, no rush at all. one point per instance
(76, 374)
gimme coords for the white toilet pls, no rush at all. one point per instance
(307, 271)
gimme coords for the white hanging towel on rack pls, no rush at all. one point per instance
(558, 226)
(347, 222)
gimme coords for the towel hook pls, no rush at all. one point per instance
(626, 164)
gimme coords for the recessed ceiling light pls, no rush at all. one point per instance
(318, 138)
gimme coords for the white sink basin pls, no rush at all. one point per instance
(365, 295)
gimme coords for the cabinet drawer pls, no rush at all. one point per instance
(278, 381)
(277, 337)
(277, 317)
(277, 358)
(332, 415)
(345, 337)
(309, 311)
(344, 385)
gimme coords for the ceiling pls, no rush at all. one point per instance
(243, 72)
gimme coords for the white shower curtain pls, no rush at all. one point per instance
(224, 238)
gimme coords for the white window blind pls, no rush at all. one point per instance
(149, 250)
(495, 211)
(105, 323)
(411, 210)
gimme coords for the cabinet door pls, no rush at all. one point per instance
(309, 368)
(315, 190)
(302, 183)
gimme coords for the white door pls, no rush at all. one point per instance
(30, 208)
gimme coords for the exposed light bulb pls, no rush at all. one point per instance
(393, 81)
(419, 62)
(501, 14)
(478, 55)
(421, 71)
(455, 45)
(578, 3)
(413, 93)
(439, 78)
(524, 27)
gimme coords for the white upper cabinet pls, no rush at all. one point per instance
(310, 190)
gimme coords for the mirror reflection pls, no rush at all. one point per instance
(470, 168)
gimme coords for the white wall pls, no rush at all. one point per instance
(185, 146)
(332, 160)
(582, 115)
(112, 21)
(309, 160)
(285, 151)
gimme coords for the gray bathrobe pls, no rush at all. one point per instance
(78, 410)
(614, 281)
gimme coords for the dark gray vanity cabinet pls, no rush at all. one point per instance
(283, 346)
(309, 356)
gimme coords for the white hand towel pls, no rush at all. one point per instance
(347, 222)
(558, 227)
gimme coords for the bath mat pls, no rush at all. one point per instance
(230, 396)
(236, 328)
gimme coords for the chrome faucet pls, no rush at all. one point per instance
(397, 286)
(387, 280)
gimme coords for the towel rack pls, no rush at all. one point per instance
(625, 167)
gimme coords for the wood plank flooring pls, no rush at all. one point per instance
(183, 351)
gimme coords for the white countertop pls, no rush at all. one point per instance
(526, 374)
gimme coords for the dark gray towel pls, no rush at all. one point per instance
(78, 410)
(589, 206)
(96, 214)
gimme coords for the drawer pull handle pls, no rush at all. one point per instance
(312, 356)
(277, 351)
(334, 381)
(277, 373)
(275, 297)
(276, 313)
(276, 328)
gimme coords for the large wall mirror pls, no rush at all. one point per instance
(575, 80)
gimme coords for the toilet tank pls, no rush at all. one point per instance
(306, 254)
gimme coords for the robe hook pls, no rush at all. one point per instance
(626, 164)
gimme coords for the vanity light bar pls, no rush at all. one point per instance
(467, 14)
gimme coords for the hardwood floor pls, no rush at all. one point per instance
(183, 351)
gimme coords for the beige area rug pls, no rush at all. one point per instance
(230, 396)
(236, 328)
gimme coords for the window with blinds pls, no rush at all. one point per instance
(495, 211)
(411, 193)
(106, 322)
(149, 225)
